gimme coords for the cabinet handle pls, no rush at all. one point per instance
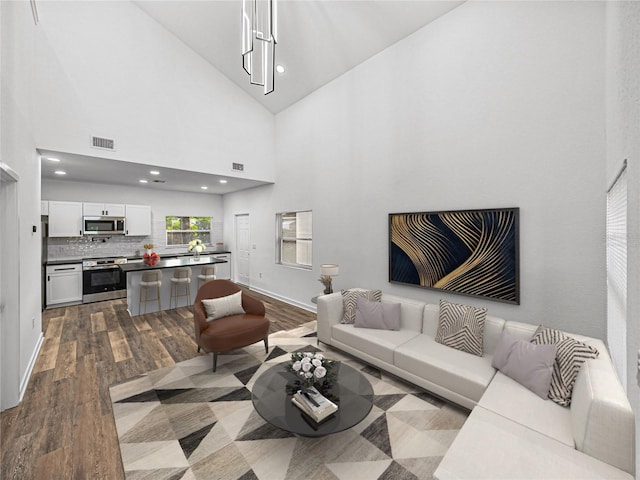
(62, 269)
(48, 278)
(106, 212)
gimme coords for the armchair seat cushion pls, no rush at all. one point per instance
(235, 331)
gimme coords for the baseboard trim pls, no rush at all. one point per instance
(32, 363)
(295, 303)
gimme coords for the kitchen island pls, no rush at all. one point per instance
(134, 271)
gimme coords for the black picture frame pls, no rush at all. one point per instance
(468, 252)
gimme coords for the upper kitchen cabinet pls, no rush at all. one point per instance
(65, 219)
(44, 207)
(103, 209)
(138, 220)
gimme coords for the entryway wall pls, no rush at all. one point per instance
(9, 290)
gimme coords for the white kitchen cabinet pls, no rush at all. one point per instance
(223, 270)
(44, 207)
(103, 209)
(138, 220)
(65, 219)
(64, 284)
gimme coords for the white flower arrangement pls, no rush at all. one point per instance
(310, 366)
(196, 246)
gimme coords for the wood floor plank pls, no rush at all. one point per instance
(98, 324)
(66, 362)
(64, 427)
(48, 355)
(119, 345)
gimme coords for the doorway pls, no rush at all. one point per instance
(242, 247)
(9, 289)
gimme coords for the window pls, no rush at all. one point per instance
(617, 274)
(181, 230)
(294, 239)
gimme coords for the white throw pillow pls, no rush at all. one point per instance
(223, 306)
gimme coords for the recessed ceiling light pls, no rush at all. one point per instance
(52, 159)
(143, 180)
(223, 181)
(280, 68)
(204, 187)
(154, 172)
(60, 172)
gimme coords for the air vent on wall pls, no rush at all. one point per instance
(238, 166)
(103, 143)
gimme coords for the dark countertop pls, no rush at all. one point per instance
(63, 262)
(170, 263)
(163, 256)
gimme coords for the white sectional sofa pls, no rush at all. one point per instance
(511, 432)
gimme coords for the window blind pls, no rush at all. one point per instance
(617, 274)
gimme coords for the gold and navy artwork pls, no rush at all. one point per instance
(471, 252)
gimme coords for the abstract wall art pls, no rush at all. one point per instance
(471, 252)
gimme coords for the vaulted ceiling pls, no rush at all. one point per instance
(318, 40)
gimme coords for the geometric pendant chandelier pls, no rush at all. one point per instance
(259, 41)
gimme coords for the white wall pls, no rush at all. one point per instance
(162, 203)
(493, 105)
(18, 151)
(107, 69)
(623, 142)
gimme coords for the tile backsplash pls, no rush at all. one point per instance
(120, 245)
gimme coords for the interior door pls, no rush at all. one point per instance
(9, 290)
(242, 247)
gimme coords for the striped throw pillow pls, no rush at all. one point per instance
(461, 327)
(570, 356)
(350, 301)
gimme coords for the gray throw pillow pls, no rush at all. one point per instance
(503, 350)
(350, 301)
(531, 366)
(384, 316)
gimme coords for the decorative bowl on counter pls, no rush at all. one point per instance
(151, 258)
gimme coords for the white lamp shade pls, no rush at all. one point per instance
(329, 269)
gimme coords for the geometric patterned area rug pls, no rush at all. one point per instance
(185, 422)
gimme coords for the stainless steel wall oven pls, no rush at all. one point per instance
(102, 279)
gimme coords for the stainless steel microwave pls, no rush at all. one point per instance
(103, 225)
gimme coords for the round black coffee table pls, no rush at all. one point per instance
(350, 390)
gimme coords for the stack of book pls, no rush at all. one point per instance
(314, 404)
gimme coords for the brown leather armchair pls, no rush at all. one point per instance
(232, 332)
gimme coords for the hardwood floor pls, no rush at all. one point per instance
(64, 427)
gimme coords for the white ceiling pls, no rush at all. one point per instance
(80, 168)
(318, 40)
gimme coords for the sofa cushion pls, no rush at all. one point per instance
(490, 446)
(571, 355)
(383, 316)
(508, 398)
(350, 300)
(460, 372)
(461, 327)
(602, 417)
(528, 364)
(377, 343)
(223, 306)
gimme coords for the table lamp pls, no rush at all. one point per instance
(328, 270)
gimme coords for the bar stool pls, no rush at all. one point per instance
(208, 273)
(181, 277)
(147, 282)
